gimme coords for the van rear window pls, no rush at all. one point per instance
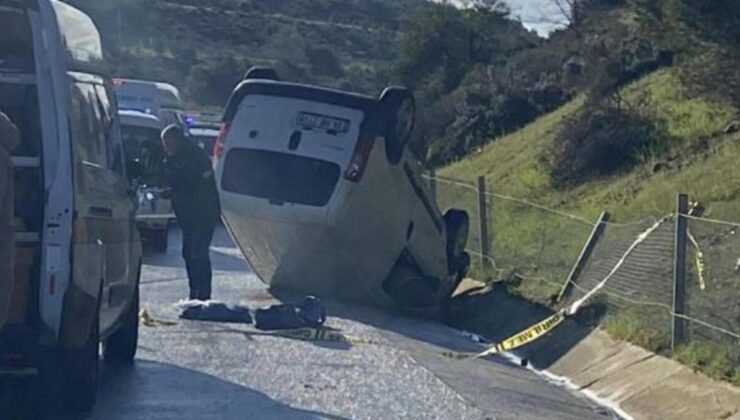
(280, 177)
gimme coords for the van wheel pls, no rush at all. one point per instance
(120, 348)
(159, 240)
(457, 223)
(78, 376)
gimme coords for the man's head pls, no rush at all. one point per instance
(172, 139)
(10, 137)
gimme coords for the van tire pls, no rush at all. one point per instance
(77, 381)
(392, 99)
(457, 223)
(120, 348)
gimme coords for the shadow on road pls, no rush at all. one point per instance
(153, 390)
(491, 312)
(391, 320)
(495, 314)
(157, 391)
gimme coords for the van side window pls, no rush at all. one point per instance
(112, 136)
(87, 122)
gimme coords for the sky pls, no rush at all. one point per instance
(539, 15)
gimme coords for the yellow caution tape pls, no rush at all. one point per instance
(517, 340)
(146, 320)
(700, 269)
(700, 266)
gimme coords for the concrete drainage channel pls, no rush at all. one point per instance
(610, 407)
(628, 380)
(566, 383)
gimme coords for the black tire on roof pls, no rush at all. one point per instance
(457, 223)
(261, 72)
(400, 117)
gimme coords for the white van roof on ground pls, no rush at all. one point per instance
(138, 119)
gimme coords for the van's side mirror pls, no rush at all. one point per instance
(399, 109)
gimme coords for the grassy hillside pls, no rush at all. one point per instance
(513, 164)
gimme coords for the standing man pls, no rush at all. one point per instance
(196, 204)
(9, 139)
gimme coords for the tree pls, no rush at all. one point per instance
(323, 62)
(569, 10)
(447, 42)
(212, 83)
(713, 20)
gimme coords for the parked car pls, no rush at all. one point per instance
(78, 255)
(145, 163)
(321, 195)
(204, 134)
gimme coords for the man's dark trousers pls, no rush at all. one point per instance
(195, 250)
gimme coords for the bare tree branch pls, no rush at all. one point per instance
(567, 9)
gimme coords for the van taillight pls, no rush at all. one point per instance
(218, 145)
(359, 160)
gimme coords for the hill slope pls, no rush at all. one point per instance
(334, 42)
(701, 164)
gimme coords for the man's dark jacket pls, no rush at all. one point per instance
(194, 194)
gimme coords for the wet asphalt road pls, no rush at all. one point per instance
(196, 370)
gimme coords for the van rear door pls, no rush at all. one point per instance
(289, 151)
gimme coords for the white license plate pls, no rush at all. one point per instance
(329, 124)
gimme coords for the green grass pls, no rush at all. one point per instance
(513, 164)
(542, 246)
(637, 325)
(715, 359)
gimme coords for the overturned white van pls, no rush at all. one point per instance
(321, 195)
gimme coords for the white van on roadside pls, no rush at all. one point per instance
(144, 154)
(78, 253)
(322, 196)
(156, 98)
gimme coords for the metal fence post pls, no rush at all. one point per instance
(485, 252)
(679, 272)
(586, 252)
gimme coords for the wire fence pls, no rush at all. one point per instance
(713, 288)
(626, 272)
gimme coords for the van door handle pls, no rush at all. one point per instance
(101, 212)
